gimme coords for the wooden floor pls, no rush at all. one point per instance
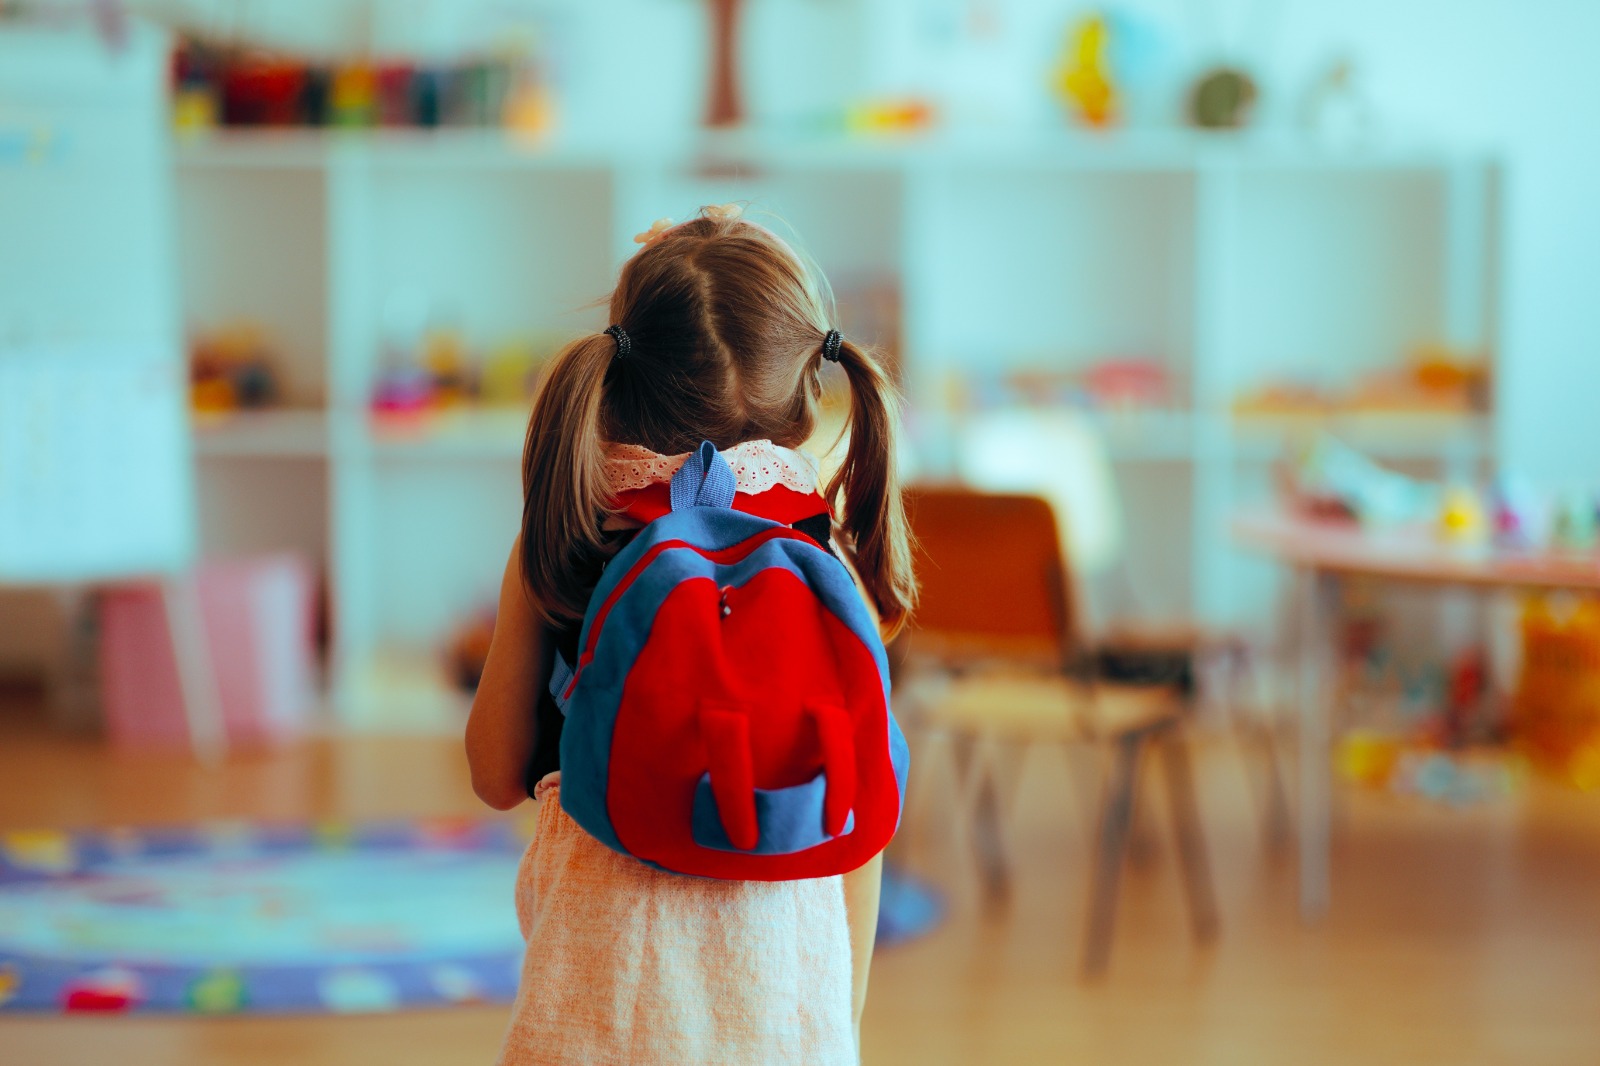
(1456, 937)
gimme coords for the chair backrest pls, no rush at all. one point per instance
(992, 576)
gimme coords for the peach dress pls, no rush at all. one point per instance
(630, 965)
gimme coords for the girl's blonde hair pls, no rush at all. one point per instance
(726, 326)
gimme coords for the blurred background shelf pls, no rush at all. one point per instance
(460, 434)
(1179, 252)
(285, 433)
(1444, 436)
(1151, 150)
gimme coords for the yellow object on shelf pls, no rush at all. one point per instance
(1556, 709)
(1084, 75)
(1461, 518)
(889, 116)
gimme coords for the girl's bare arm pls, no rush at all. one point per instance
(863, 886)
(861, 889)
(500, 728)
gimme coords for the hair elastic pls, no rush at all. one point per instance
(624, 344)
(830, 346)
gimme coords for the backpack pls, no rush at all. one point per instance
(728, 714)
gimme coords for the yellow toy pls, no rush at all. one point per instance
(444, 356)
(1083, 77)
(1461, 517)
(1368, 758)
(889, 116)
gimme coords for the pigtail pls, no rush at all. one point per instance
(868, 484)
(565, 493)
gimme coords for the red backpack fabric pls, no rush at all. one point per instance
(728, 715)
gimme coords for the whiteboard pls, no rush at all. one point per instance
(96, 467)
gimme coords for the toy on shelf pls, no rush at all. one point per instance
(238, 85)
(1407, 766)
(509, 374)
(232, 368)
(1368, 757)
(1114, 69)
(1517, 516)
(1116, 384)
(402, 391)
(1443, 737)
(1456, 778)
(353, 98)
(444, 360)
(441, 372)
(889, 115)
(1574, 526)
(1335, 111)
(1222, 99)
(1461, 516)
(1284, 398)
(1084, 76)
(1127, 383)
(529, 106)
(724, 100)
(1434, 380)
(1467, 711)
(1332, 479)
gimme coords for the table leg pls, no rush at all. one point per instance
(1317, 599)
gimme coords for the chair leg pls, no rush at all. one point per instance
(1084, 767)
(1275, 816)
(1007, 759)
(925, 785)
(975, 779)
(1143, 838)
(986, 836)
(1191, 842)
(1257, 738)
(1116, 813)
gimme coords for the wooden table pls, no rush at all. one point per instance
(1324, 553)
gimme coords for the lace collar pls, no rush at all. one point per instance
(758, 465)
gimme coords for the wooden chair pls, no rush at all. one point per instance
(1058, 455)
(998, 617)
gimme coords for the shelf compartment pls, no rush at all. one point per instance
(469, 434)
(251, 248)
(272, 433)
(1100, 267)
(1334, 275)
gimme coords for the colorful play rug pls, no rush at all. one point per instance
(242, 917)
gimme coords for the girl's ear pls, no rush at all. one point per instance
(564, 491)
(868, 485)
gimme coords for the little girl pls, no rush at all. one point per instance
(719, 332)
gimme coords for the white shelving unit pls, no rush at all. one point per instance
(1229, 259)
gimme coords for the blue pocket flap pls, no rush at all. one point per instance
(790, 819)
